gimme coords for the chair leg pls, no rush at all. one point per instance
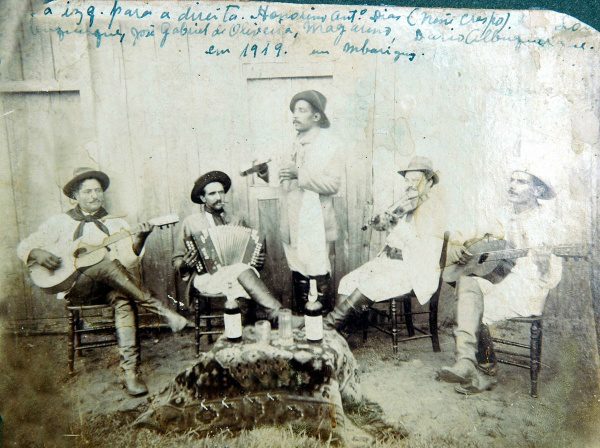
(433, 324)
(394, 313)
(71, 342)
(535, 356)
(209, 320)
(197, 318)
(408, 316)
(364, 321)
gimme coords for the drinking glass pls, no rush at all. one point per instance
(286, 336)
(262, 329)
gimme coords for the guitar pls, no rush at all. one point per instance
(77, 254)
(495, 258)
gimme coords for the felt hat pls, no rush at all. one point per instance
(423, 164)
(207, 178)
(83, 173)
(317, 100)
(548, 192)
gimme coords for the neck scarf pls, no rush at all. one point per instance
(78, 215)
(217, 216)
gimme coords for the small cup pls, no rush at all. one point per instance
(286, 334)
(262, 329)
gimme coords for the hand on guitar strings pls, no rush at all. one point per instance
(45, 259)
(458, 254)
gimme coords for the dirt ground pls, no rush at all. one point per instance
(42, 406)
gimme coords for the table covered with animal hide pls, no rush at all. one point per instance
(237, 386)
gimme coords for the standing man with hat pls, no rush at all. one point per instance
(114, 277)
(410, 259)
(310, 178)
(237, 280)
(521, 293)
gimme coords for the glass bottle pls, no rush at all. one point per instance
(233, 321)
(313, 315)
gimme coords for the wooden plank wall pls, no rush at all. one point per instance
(156, 118)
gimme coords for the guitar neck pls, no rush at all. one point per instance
(507, 254)
(115, 237)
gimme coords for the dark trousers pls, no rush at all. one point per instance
(301, 288)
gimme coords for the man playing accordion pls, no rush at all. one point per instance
(238, 280)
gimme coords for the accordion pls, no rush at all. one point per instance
(223, 246)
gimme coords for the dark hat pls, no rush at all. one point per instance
(83, 173)
(542, 181)
(423, 164)
(205, 179)
(317, 101)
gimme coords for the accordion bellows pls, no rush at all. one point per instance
(226, 245)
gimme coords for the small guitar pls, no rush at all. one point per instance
(77, 254)
(495, 258)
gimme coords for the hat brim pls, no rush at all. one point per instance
(208, 178)
(101, 177)
(429, 173)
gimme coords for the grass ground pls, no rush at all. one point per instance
(42, 407)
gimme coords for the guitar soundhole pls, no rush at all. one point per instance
(79, 252)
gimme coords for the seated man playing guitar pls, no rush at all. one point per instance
(520, 292)
(112, 278)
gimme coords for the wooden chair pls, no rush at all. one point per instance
(535, 351)
(203, 308)
(406, 315)
(76, 315)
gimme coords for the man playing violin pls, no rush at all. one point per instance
(410, 259)
(114, 278)
(521, 293)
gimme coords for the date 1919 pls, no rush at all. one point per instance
(254, 51)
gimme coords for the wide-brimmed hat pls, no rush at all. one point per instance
(317, 100)
(82, 173)
(205, 179)
(423, 164)
(548, 192)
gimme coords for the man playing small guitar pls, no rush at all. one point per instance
(522, 292)
(112, 278)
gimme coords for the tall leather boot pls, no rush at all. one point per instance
(259, 292)
(325, 288)
(114, 275)
(340, 314)
(469, 311)
(486, 357)
(126, 329)
(300, 290)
